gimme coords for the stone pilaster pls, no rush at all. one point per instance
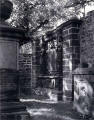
(59, 64)
(71, 54)
(25, 69)
(35, 62)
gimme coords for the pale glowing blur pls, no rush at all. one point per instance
(41, 111)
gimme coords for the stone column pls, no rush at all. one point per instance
(10, 106)
(35, 62)
(59, 63)
(71, 54)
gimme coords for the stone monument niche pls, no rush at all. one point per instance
(10, 106)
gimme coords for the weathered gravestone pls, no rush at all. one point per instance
(83, 90)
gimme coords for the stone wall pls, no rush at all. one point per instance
(8, 85)
(71, 54)
(67, 36)
(25, 68)
(29, 67)
(87, 38)
(35, 61)
(78, 46)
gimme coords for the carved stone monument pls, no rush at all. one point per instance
(10, 106)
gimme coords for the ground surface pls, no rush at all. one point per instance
(48, 110)
(42, 107)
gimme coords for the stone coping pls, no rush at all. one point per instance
(5, 27)
(9, 70)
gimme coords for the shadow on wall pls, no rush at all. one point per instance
(25, 90)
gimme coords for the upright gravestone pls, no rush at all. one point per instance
(83, 90)
(10, 106)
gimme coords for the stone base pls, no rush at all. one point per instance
(13, 111)
(10, 106)
(15, 116)
(55, 95)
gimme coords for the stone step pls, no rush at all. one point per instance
(7, 107)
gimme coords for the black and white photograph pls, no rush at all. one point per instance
(46, 59)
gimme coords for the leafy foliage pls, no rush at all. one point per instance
(78, 4)
(35, 14)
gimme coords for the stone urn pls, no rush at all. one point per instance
(5, 9)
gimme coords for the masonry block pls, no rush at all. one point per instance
(71, 51)
(25, 67)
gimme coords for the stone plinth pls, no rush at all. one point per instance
(10, 106)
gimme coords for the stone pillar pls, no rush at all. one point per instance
(59, 64)
(10, 106)
(25, 78)
(35, 62)
(71, 54)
